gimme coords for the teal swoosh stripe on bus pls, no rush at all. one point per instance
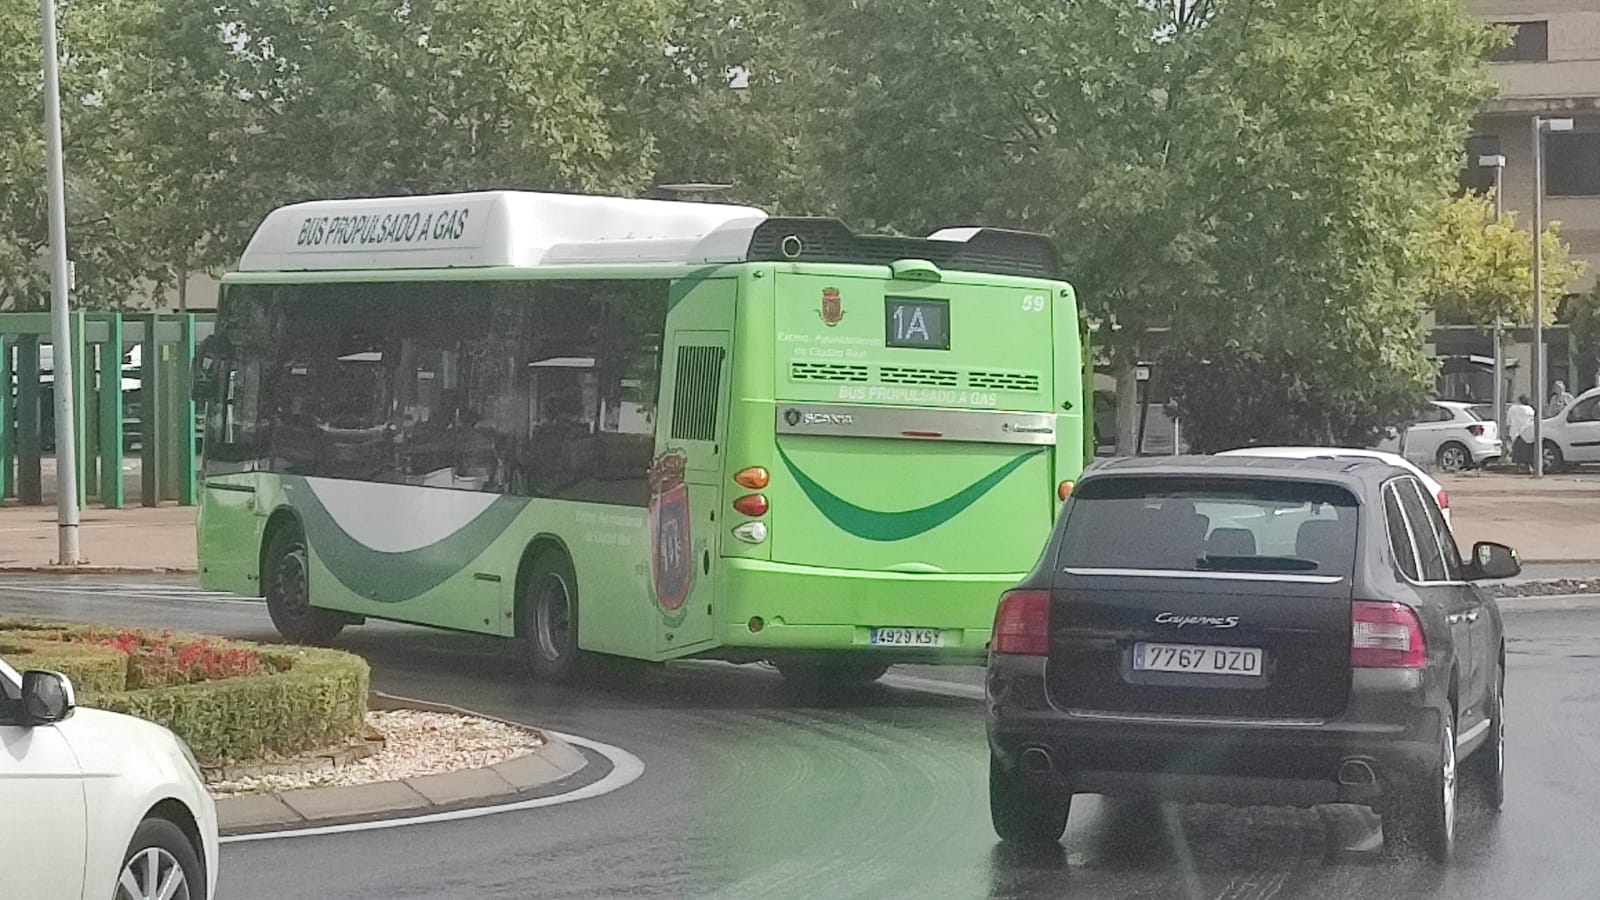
(388, 577)
(877, 525)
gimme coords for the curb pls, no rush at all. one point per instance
(87, 569)
(556, 761)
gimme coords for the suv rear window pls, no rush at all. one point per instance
(1211, 525)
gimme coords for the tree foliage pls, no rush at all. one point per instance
(1252, 173)
(1260, 175)
(109, 259)
(1477, 270)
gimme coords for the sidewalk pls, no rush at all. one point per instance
(1555, 519)
(134, 539)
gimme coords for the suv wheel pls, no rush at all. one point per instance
(1453, 457)
(1428, 817)
(1025, 812)
(1553, 460)
(1488, 763)
(160, 864)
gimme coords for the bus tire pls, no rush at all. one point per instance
(547, 603)
(286, 585)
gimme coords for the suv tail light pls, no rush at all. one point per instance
(1022, 624)
(1386, 636)
(1444, 500)
(1475, 429)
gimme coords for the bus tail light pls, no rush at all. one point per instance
(1022, 624)
(1386, 636)
(751, 532)
(1063, 491)
(754, 478)
(754, 505)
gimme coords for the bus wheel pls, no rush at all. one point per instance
(547, 602)
(824, 674)
(286, 577)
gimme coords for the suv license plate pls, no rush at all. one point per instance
(1196, 660)
(907, 637)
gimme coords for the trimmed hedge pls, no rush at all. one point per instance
(93, 669)
(305, 699)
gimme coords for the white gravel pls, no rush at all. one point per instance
(416, 743)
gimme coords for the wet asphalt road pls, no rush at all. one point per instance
(753, 790)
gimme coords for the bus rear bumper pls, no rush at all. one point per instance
(765, 606)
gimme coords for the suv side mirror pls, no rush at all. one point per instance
(47, 697)
(1491, 560)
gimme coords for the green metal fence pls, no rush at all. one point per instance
(117, 406)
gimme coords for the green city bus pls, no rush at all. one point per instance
(637, 429)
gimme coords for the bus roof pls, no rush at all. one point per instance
(488, 228)
(519, 229)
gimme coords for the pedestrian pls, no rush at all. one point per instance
(1559, 398)
(1519, 427)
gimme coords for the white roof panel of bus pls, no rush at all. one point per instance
(497, 228)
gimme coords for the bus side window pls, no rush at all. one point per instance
(233, 431)
(593, 360)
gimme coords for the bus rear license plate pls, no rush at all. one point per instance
(1196, 660)
(907, 637)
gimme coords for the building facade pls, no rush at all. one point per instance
(1551, 69)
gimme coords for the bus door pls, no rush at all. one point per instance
(230, 514)
(685, 488)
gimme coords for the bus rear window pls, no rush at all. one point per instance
(1221, 525)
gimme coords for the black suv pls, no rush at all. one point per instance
(1249, 630)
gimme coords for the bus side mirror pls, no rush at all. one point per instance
(212, 353)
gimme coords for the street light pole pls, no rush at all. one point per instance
(60, 330)
(1497, 162)
(1539, 125)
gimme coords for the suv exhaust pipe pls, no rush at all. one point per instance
(1037, 761)
(1356, 773)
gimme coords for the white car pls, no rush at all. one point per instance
(1571, 436)
(97, 805)
(1436, 489)
(1450, 435)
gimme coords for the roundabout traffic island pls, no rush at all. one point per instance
(291, 737)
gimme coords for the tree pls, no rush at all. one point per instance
(1477, 270)
(246, 105)
(1251, 173)
(108, 255)
(1584, 319)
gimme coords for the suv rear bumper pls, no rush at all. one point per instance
(1390, 729)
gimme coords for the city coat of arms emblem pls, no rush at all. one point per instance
(832, 308)
(671, 555)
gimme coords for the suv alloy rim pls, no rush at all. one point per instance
(152, 874)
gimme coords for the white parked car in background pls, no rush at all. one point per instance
(1571, 436)
(1449, 435)
(1435, 489)
(95, 805)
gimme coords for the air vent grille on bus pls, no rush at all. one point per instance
(924, 377)
(1003, 381)
(806, 371)
(694, 396)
